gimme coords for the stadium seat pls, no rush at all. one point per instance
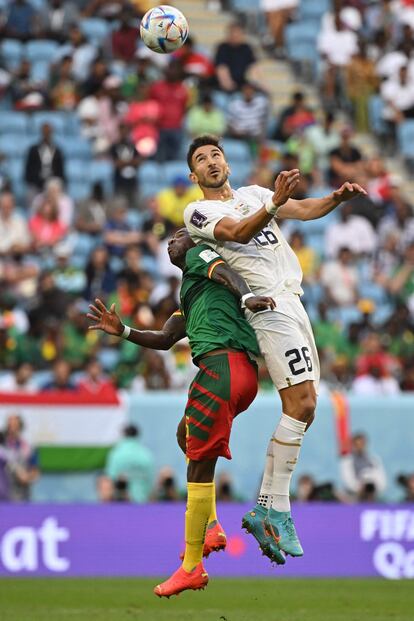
(76, 170)
(170, 170)
(302, 31)
(75, 147)
(14, 145)
(236, 150)
(11, 52)
(405, 133)
(40, 50)
(372, 291)
(40, 71)
(95, 30)
(103, 171)
(56, 119)
(13, 122)
(78, 190)
(314, 9)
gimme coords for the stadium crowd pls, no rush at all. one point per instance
(93, 181)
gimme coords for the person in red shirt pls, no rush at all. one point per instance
(173, 96)
(45, 226)
(124, 39)
(194, 63)
(95, 382)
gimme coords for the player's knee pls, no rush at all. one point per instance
(307, 408)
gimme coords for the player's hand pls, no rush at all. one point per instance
(260, 303)
(285, 183)
(347, 191)
(106, 320)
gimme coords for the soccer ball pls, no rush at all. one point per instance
(164, 29)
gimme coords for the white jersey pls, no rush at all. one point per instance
(267, 263)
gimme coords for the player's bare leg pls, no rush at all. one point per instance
(215, 539)
(192, 575)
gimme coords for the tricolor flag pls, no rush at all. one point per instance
(72, 431)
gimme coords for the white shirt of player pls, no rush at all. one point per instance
(267, 262)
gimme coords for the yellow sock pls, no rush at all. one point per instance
(199, 500)
(213, 510)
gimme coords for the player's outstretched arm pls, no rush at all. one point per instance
(314, 208)
(109, 321)
(226, 276)
(244, 230)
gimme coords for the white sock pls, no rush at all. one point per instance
(265, 498)
(286, 440)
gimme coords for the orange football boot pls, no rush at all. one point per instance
(215, 540)
(182, 580)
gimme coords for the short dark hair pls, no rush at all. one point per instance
(131, 431)
(202, 141)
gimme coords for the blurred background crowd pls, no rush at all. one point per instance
(93, 180)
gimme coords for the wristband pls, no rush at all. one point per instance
(245, 297)
(271, 208)
(125, 334)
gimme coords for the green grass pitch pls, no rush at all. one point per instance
(223, 600)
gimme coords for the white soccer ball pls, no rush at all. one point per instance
(164, 29)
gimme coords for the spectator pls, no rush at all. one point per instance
(118, 232)
(57, 18)
(373, 355)
(80, 50)
(68, 277)
(55, 194)
(194, 63)
(340, 279)
(104, 489)
(154, 373)
(398, 95)
(19, 381)
(401, 284)
(95, 382)
(132, 461)
(166, 487)
(124, 38)
(323, 138)
(50, 300)
(22, 460)
(4, 474)
(78, 344)
(295, 118)
(344, 160)
(22, 21)
(362, 473)
(14, 232)
(100, 278)
(126, 161)
(174, 199)
(27, 93)
(91, 212)
(155, 228)
(61, 379)
(308, 259)
(97, 75)
(352, 231)
(63, 87)
(44, 160)
(375, 382)
(233, 58)
(407, 482)
(173, 97)
(225, 491)
(399, 219)
(361, 84)
(206, 118)
(46, 227)
(247, 115)
(278, 14)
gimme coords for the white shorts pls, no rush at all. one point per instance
(287, 343)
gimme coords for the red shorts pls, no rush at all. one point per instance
(225, 385)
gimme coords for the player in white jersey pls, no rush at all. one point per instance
(241, 225)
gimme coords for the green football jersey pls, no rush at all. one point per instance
(214, 319)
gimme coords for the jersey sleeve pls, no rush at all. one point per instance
(202, 261)
(263, 194)
(200, 221)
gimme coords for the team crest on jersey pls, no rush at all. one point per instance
(242, 208)
(198, 219)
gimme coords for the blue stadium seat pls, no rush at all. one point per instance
(103, 171)
(75, 147)
(372, 291)
(236, 150)
(40, 71)
(149, 178)
(302, 31)
(56, 119)
(12, 52)
(14, 145)
(314, 8)
(405, 135)
(375, 111)
(78, 189)
(40, 50)
(77, 170)
(221, 100)
(176, 168)
(13, 122)
(95, 30)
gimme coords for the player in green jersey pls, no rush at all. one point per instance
(225, 385)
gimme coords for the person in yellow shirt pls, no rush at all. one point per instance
(173, 200)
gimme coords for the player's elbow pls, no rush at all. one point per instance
(242, 237)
